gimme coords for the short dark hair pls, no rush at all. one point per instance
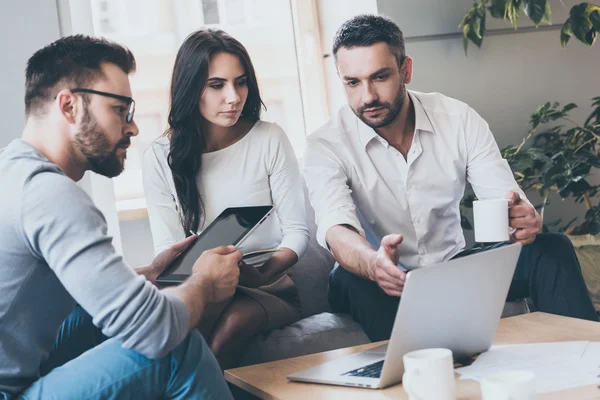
(72, 60)
(368, 29)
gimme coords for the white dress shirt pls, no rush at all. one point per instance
(356, 178)
(259, 169)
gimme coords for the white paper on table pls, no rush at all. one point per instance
(557, 366)
(592, 354)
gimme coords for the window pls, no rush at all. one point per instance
(235, 12)
(210, 11)
(103, 6)
(103, 20)
(154, 30)
(227, 12)
(106, 26)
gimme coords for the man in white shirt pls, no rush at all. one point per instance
(388, 171)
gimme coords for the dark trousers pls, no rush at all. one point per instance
(547, 272)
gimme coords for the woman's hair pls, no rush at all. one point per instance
(187, 139)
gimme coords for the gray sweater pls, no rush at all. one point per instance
(54, 252)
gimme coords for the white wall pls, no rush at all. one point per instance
(137, 242)
(507, 78)
(418, 18)
(332, 13)
(25, 26)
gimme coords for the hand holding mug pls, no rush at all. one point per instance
(523, 219)
(501, 220)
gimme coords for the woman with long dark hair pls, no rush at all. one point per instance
(216, 154)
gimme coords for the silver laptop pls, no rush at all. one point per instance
(454, 305)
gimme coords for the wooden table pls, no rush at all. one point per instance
(268, 381)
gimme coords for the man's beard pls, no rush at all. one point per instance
(95, 146)
(393, 110)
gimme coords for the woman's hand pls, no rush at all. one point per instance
(163, 259)
(251, 277)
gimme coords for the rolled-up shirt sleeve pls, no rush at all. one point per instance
(69, 233)
(489, 174)
(328, 189)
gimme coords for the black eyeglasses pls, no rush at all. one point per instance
(130, 102)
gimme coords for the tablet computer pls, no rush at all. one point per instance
(231, 227)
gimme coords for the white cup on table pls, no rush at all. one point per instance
(429, 375)
(509, 385)
(491, 220)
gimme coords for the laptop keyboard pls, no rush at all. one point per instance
(368, 371)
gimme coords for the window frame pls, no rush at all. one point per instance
(77, 17)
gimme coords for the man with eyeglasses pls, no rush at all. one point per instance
(125, 338)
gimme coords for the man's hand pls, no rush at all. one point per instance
(523, 218)
(385, 269)
(219, 271)
(213, 280)
(251, 277)
(164, 258)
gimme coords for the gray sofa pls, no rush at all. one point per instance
(320, 329)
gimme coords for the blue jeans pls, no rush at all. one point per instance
(87, 365)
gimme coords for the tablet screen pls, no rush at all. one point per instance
(229, 228)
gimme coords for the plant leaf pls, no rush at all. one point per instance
(536, 10)
(565, 33)
(474, 32)
(594, 227)
(513, 8)
(590, 37)
(473, 25)
(595, 114)
(466, 18)
(498, 8)
(466, 25)
(568, 108)
(466, 30)
(477, 30)
(581, 25)
(547, 19)
(482, 26)
(594, 16)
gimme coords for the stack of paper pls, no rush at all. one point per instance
(556, 366)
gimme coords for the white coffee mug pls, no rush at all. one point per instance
(509, 385)
(491, 220)
(429, 375)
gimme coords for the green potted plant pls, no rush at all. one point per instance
(561, 159)
(560, 155)
(558, 158)
(583, 21)
(553, 157)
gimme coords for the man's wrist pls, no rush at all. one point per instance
(371, 263)
(202, 287)
(146, 271)
(195, 297)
